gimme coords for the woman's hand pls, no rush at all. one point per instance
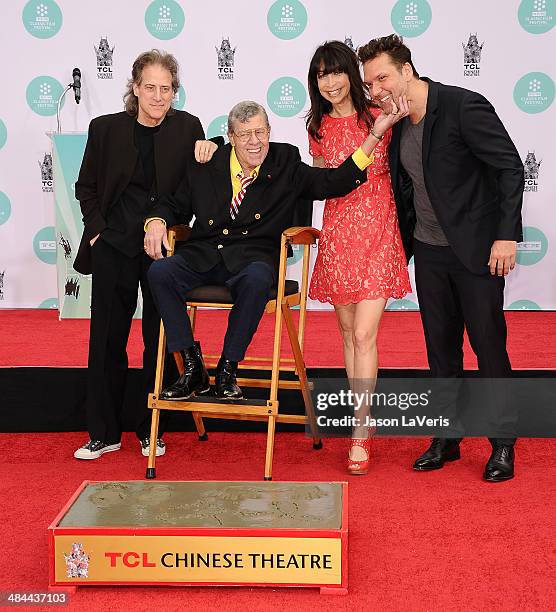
(387, 119)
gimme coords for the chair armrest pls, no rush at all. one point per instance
(301, 235)
(181, 232)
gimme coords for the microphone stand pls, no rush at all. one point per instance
(60, 100)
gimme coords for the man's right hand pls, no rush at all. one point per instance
(204, 150)
(93, 240)
(155, 237)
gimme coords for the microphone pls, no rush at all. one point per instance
(77, 84)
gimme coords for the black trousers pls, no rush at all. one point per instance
(451, 298)
(171, 278)
(116, 279)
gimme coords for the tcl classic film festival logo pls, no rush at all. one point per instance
(411, 18)
(286, 97)
(42, 95)
(42, 18)
(46, 173)
(104, 59)
(164, 19)
(218, 127)
(287, 19)
(225, 55)
(472, 56)
(534, 92)
(536, 16)
(532, 168)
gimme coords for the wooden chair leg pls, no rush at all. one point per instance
(151, 470)
(197, 418)
(269, 447)
(155, 413)
(160, 361)
(192, 312)
(179, 362)
(200, 426)
(302, 374)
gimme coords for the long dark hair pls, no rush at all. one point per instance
(330, 57)
(148, 58)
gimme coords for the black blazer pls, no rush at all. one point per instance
(109, 161)
(267, 209)
(473, 175)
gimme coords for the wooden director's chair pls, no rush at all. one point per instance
(286, 295)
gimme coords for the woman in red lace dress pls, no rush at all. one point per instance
(360, 261)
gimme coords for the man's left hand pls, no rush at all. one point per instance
(502, 257)
(204, 150)
(155, 238)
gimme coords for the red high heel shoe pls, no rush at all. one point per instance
(362, 466)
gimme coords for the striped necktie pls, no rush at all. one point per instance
(236, 202)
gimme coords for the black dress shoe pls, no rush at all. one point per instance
(193, 381)
(440, 451)
(225, 379)
(500, 465)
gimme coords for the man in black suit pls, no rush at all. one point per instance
(130, 159)
(242, 200)
(458, 182)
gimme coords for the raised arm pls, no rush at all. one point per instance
(318, 183)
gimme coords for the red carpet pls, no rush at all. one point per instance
(37, 338)
(438, 541)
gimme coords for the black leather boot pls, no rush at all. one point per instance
(199, 352)
(225, 379)
(193, 381)
(500, 465)
(440, 451)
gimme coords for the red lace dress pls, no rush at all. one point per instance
(360, 254)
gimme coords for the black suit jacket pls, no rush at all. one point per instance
(284, 182)
(473, 175)
(109, 161)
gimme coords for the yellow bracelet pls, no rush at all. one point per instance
(153, 219)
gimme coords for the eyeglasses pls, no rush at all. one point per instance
(261, 134)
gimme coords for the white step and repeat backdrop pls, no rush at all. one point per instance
(501, 48)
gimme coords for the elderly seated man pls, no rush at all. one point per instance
(242, 201)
